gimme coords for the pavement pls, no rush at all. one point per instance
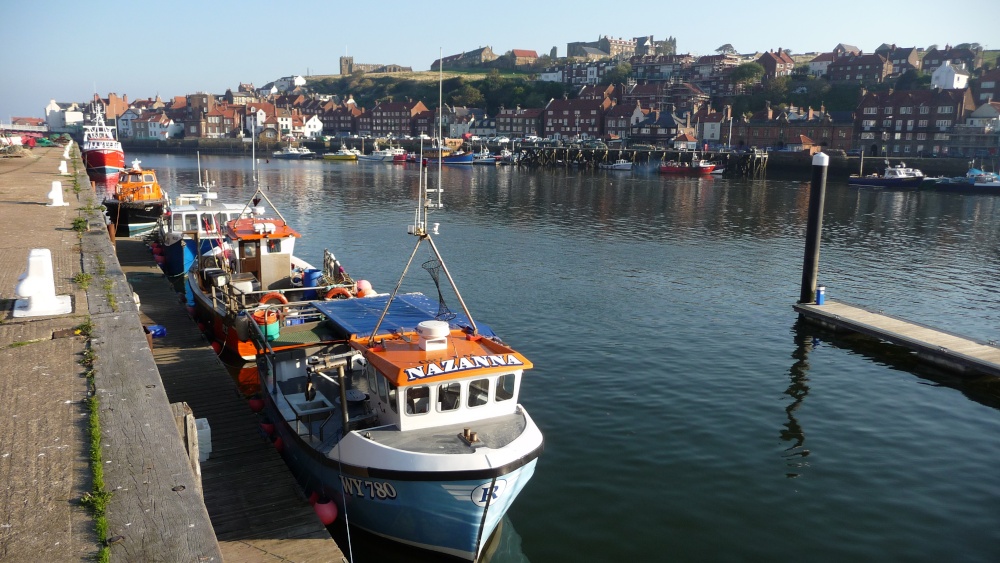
(43, 415)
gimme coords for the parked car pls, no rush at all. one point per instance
(503, 140)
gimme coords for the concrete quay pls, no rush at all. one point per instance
(155, 512)
(242, 504)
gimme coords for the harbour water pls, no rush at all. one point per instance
(687, 415)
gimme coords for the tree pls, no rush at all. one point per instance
(468, 96)
(747, 73)
(726, 49)
(617, 75)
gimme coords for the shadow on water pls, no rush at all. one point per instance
(798, 387)
(504, 546)
(983, 389)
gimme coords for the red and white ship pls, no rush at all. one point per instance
(102, 153)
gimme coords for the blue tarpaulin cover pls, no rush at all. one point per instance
(357, 317)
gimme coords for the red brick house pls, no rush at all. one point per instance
(776, 63)
(567, 119)
(910, 122)
(393, 118)
(860, 69)
(519, 122)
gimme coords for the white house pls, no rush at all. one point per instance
(986, 115)
(818, 66)
(289, 83)
(949, 77)
(60, 117)
(551, 75)
(125, 129)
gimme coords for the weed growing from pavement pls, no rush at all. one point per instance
(98, 498)
(83, 280)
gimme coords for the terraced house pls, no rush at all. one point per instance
(910, 122)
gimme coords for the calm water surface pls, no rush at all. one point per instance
(687, 416)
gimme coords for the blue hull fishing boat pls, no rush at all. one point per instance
(401, 412)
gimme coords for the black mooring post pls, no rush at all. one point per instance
(814, 228)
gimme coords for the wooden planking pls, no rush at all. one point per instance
(273, 523)
(943, 348)
(155, 508)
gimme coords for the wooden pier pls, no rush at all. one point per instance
(946, 350)
(257, 509)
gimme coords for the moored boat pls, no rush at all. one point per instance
(191, 227)
(694, 168)
(899, 177)
(137, 202)
(403, 413)
(288, 152)
(343, 153)
(383, 155)
(620, 164)
(102, 153)
(252, 267)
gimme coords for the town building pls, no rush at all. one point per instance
(776, 64)
(910, 122)
(575, 119)
(519, 122)
(859, 69)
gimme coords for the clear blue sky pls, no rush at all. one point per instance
(62, 50)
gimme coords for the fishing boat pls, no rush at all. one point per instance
(898, 177)
(404, 414)
(383, 155)
(343, 153)
(137, 202)
(252, 267)
(485, 157)
(191, 226)
(975, 181)
(620, 164)
(289, 153)
(101, 152)
(693, 168)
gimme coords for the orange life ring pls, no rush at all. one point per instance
(338, 291)
(274, 295)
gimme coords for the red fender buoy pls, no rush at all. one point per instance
(278, 444)
(267, 428)
(313, 498)
(326, 510)
(216, 347)
(256, 404)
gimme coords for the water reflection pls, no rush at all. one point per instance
(797, 389)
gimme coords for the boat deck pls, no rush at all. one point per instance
(258, 511)
(944, 349)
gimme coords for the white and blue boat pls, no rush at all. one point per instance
(403, 413)
(192, 226)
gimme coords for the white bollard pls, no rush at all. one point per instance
(55, 194)
(62, 168)
(37, 288)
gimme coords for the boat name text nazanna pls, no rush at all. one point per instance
(461, 364)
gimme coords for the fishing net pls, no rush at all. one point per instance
(434, 267)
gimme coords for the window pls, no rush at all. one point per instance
(946, 109)
(191, 222)
(887, 123)
(922, 123)
(924, 110)
(392, 398)
(868, 123)
(208, 222)
(273, 246)
(479, 392)
(871, 111)
(921, 136)
(868, 135)
(417, 399)
(449, 396)
(888, 110)
(906, 149)
(382, 391)
(942, 123)
(906, 109)
(505, 387)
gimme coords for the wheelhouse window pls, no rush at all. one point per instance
(392, 398)
(449, 396)
(191, 222)
(383, 392)
(479, 392)
(505, 387)
(417, 399)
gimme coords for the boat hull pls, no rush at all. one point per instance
(875, 182)
(179, 256)
(130, 218)
(103, 162)
(442, 513)
(686, 170)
